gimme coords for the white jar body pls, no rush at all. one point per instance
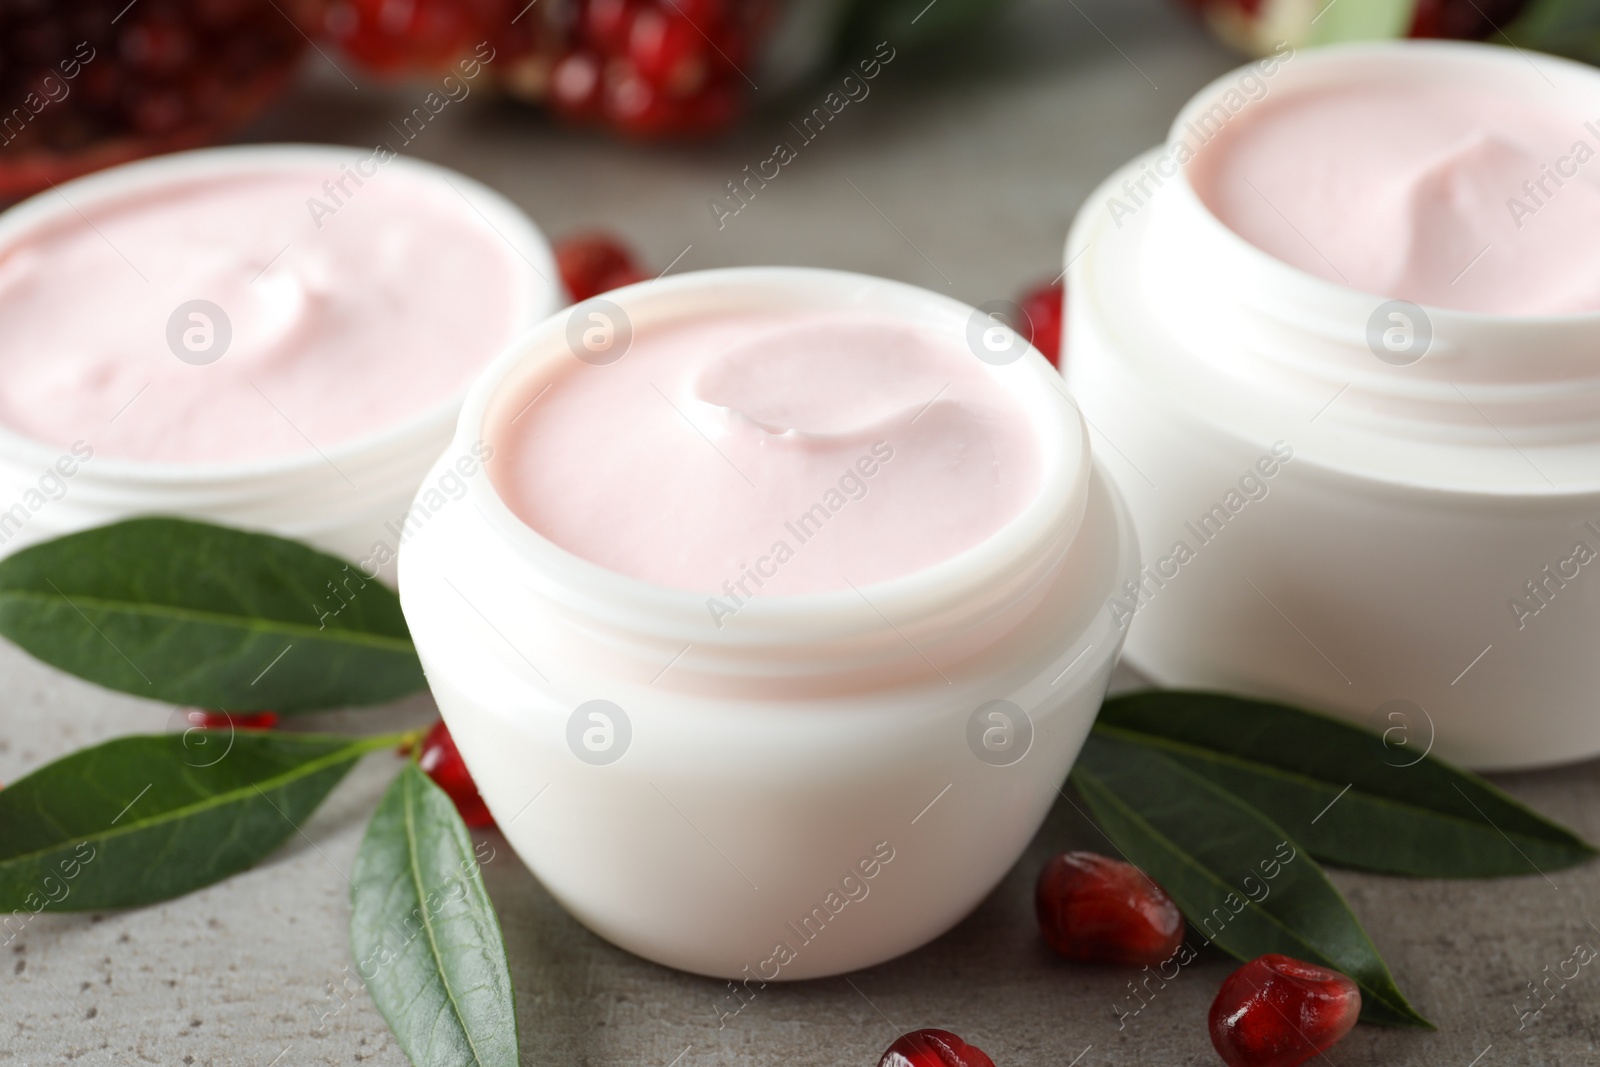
(1341, 593)
(735, 835)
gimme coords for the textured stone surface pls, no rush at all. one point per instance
(980, 168)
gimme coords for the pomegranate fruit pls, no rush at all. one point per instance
(441, 760)
(87, 84)
(648, 68)
(1277, 1011)
(933, 1048)
(1095, 909)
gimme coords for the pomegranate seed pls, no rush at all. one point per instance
(608, 22)
(593, 263)
(1099, 910)
(635, 106)
(441, 761)
(405, 36)
(667, 52)
(575, 89)
(1042, 308)
(222, 720)
(1280, 1012)
(933, 1048)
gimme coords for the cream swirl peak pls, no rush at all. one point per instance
(1445, 195)
(745, 455)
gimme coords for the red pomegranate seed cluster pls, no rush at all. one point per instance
(1280, 1012)
(408, 37)
(656, 68)
(81, 88)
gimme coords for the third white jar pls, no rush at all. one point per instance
(1356, 504)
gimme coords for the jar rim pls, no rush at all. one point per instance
(1036, 536)
(488, 208)
(1404, 56)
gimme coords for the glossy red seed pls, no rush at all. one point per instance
(637, 107)
(1095, 909)
(668, 52)
(222, 720)
(441, 761)
(1276, 1011)
(933, 1048)
(576, 91)
(607, 22)
(405, 36)
(1043, 308)
(594, 262)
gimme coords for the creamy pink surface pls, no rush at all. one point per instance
(385, 310)
(1411, 192)
(693, 458)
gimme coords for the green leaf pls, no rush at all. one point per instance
(208, 616)
(425, 936)
(1565, 27)
(1241, 879)
(141, 819)
(1345, 796)
(1360, 20)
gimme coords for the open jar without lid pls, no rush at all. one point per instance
(1346, 500)
(818, 782)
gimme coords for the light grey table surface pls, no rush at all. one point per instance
(976, 167)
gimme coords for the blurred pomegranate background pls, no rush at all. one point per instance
(90, 83)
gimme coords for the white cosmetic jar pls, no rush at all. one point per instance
(1343, 500)
(827, 780)
(347, 497)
